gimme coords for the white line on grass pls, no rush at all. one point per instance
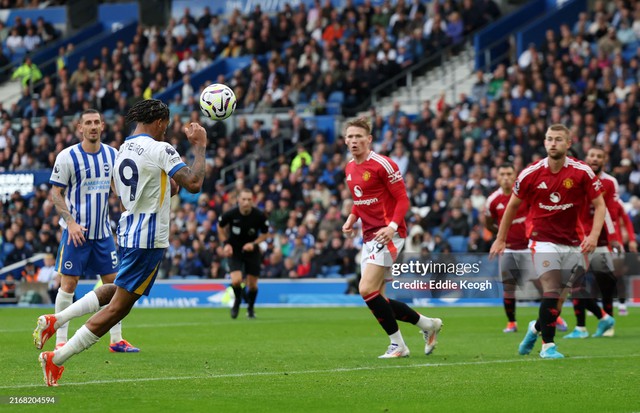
(342, 370)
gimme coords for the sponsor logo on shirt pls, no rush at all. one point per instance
(555, 197)
(357, 191)
(560, 207)
(365, 201)
(542, 185)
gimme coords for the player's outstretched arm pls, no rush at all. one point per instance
(191, 177)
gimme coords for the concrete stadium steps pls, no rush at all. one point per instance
(10, 92)
(454, 77)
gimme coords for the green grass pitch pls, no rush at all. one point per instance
(324, 360)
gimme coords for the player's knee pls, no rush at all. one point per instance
(68, 283)
(105, 293)
(366, 289)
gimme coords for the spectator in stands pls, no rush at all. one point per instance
(30, 272)
(14, 41)
(28, 73)
(20, 252)
(9, 287)
(31, 40)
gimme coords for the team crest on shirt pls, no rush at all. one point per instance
(107, 168)
(366, 176)
(568, 183)
(546, 263)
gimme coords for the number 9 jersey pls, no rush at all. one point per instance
(141, 175)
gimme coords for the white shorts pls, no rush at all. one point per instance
(601, 260)
(382, 255)
(548, 256)
(516, 265)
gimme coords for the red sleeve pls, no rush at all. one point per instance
(354, 211)
(593, 186)
(395, 184)
(627, 222)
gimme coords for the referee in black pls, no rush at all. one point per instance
(238, 229)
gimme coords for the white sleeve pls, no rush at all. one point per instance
(61, 171)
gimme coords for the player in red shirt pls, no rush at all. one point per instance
(619, 259)
(380, 201)
(515, 263)
(555, 188)
(600, 260)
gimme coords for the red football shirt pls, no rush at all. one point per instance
(621, 213)
(495, 207)
(555, 199)
(609, 192)
(379, 194)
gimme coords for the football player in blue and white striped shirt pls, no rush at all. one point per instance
(81, 180)
(143, 168)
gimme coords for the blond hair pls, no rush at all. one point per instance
(359, 123)
(558, 127)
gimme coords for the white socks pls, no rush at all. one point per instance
(425, 323)
(81, 340)
(68, 311)
(86, 305)
(396, 338)
(63, 301)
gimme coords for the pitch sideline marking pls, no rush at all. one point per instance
(342, 370)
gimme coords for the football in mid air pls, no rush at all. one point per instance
(217, 101)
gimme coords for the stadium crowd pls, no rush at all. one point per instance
(583, 75)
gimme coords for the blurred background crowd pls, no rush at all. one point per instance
(448, 152)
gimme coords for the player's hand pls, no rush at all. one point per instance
(227, 250)
(497, 248)
(588, 245)
(196, 134)
(633, 246)
(248, 247)
(76, 233)
(616, 248)
(384, 235)
(347, 228)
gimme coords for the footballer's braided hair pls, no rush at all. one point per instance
(147, 111)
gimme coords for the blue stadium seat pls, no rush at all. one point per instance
(458, 243)
(336, 96)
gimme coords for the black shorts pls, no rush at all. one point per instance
(247, 263)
